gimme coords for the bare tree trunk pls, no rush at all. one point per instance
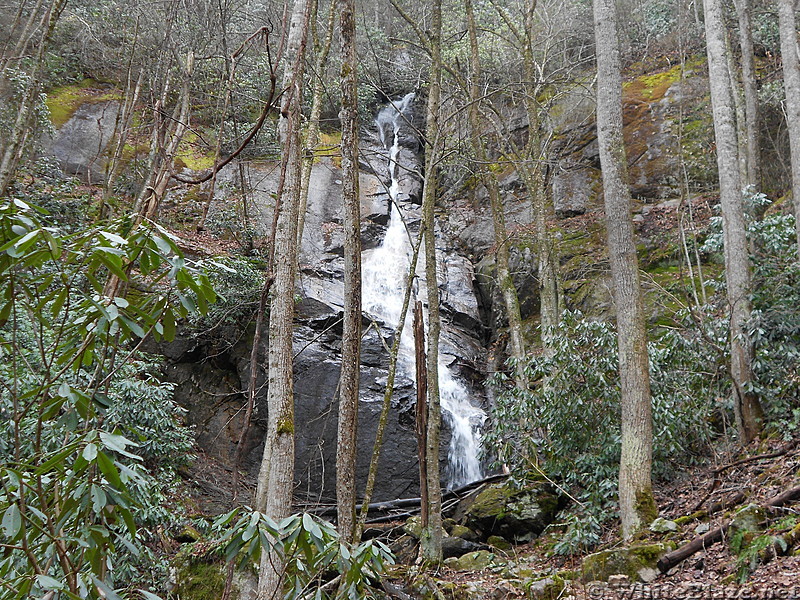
(12, 149)
(387, 394)
(422, 411)
(166, 151)
(752, 116)
(351, 335)
(489, 179)
(431, 540)
(312, 135)
(547, 261)
(791, 85)
(637, 506)
(737, 262)
(276, 476)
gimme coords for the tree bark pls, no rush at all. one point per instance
(752, 116)
(12, 148)
(351, 335)
(637, 506)
(547, 261)
(422, 410)
(791, 86)
(431, 541)
(276, 476)
(489, 179)
(737, 263)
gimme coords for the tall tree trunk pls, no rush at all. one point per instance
(752, 116)
(637, 506)
(351, 336)
(547, 261)
(737, 263)
(312, 134)
(489, 179)
(276, 476)
(12, 148)
(791, 85)
(431, 541)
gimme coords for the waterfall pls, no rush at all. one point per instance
(385, 272)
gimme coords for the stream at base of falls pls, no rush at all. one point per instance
(384, 278)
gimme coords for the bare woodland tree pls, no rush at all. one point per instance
(489, 180)
(13, 146)
(276, 476)
(737, 262)
(791, 86)
(752, 148)
(351, 335)
(431, 540)
(636, 503)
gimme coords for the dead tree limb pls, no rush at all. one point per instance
(785, 450)
(675, 557)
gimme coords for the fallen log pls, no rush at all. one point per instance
(671, 559)
(407, 503)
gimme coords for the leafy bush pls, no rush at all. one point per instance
(75, 497)
(775, 322)
(316, 560)
(570, 420)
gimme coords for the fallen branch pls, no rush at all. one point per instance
(785, 450)
(675, 557)
(412, 503)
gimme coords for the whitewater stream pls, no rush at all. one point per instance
(385, 272)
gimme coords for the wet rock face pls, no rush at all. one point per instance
(212, 383)
(81, 142)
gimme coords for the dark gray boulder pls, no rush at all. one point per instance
(79, 145)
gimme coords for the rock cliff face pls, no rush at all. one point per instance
(212, 377)
(211, 383)
(79, 145)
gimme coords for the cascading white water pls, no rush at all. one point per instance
(385, 272)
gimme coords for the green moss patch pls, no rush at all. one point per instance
(63, 102)
(637, 562)
(199, 579)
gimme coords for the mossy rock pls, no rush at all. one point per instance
(413, 527)
(746, 525)
(199, 578)
(498, 542)
(516, 513)
(63, 102)
(548, 588)
(637, 562)
(473, 561)
(465, 533)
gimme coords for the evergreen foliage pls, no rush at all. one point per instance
(88, 437)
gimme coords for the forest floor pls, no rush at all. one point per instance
(733, 481)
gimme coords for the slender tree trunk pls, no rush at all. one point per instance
(167, 150)
(276, 476)
(422, 411)
(431, 541)
(351, 336)
(752, 116)
(489, 179)
(737, 263)
(547, 261)
(791, 85)
(12, 148)
(637, 506)
(312, 135)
